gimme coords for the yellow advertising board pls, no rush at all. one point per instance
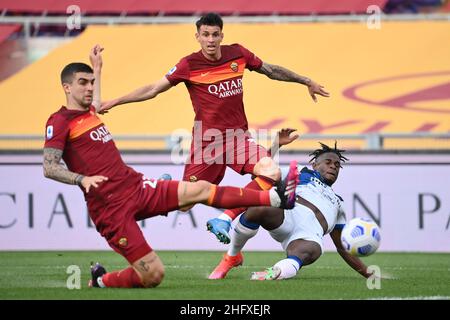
(395, 79)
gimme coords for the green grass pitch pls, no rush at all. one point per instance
(43, 275)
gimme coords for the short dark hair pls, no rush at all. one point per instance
(210, 19)
(325, 149)
(72, 68)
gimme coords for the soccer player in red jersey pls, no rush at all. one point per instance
(116, 195)
(213, 77)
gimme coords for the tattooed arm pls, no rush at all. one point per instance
(53, 169)
(275, 72)
(280, 73)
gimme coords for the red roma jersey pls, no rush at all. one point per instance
(215, 87)
(88, 149)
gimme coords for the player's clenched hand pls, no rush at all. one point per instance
(315, 88)
(94, 181)
(286, 136)
(95, 56)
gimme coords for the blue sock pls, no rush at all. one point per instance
(289, 267)
(299, 261)
(248, 224)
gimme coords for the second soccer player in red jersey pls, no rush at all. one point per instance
(213, 77)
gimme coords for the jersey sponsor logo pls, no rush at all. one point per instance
(101, 134)
(234, 66)
(49, 133)
(226, 88)
(172, 70)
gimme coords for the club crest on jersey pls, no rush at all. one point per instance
(234, 66)
(193, 179)
(123, 242)
(172, 70)
(49, 133)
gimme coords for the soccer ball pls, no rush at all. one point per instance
(361, 237)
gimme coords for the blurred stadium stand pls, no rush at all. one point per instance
(230, 7)
(31, 29)
(7, 30)
(182, 7)
(415, 6)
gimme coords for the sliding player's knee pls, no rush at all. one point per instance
(267, 167)
(153, 277)
(312, 256)
(307, 251)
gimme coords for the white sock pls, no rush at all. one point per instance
(100, 282)
(275, 200)
(225, 217)
(289, 268)
(239, 238)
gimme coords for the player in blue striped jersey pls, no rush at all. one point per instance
(318, 211)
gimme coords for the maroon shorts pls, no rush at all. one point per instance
(208, 161)
(116, 221)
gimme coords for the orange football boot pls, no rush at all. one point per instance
(226, 264)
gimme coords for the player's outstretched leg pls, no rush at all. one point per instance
(233, 197)
(266, 173)
(144, 272)
(285, 189)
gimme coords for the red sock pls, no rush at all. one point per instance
(232, 197)
(259, 183)
(127, 278)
